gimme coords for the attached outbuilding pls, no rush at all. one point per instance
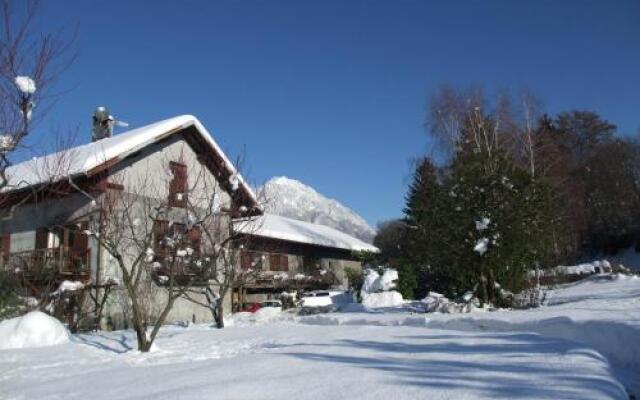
(297, 255)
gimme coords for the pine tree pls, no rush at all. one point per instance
(407, 281)
(481, 227)
(508, 216)
(432, 233)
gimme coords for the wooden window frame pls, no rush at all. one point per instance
(251, 260)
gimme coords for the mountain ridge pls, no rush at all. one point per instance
(291, 198)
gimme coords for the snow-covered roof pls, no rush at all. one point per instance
(82, 160)
(277, 227)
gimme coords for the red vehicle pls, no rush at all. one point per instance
(251, 307)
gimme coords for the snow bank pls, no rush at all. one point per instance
(35, 329)
(263, 315)
(324, 298)
(382, 299)
(267, 313)
(342, 299)
(620, 276)
(580, 269)
(436, 302)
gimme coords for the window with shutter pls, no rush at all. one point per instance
(178, 185)
(251, 260)
(279, 262)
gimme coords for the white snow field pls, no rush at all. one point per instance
(554, 352)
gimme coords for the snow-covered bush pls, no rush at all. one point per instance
(371, 281)
(377, 289)
(582, 269)
(436, 302)
(375, 282)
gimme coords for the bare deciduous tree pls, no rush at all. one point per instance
(462, 121)
(30, 62)
(167, 247)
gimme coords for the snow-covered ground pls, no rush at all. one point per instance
(555, 352)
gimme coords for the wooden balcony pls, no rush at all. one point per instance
(183, 273)
(55, 263)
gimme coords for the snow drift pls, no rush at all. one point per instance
(382, 299)
(35, 329)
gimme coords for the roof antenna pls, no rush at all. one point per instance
(103, 123)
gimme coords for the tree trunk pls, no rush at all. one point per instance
(160, 321)
(139, 324)
(219, 314)
(141, 335)
(141, 329)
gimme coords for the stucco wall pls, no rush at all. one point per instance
(148, 174)
(117, 311)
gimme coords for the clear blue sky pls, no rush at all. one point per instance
(333, 93)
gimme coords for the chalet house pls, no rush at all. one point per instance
(49, 200)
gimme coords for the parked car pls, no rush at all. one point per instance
(272, 304)
(316, 298)
(325, 298)
(251, 307)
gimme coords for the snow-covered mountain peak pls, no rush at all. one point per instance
(291, 198)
